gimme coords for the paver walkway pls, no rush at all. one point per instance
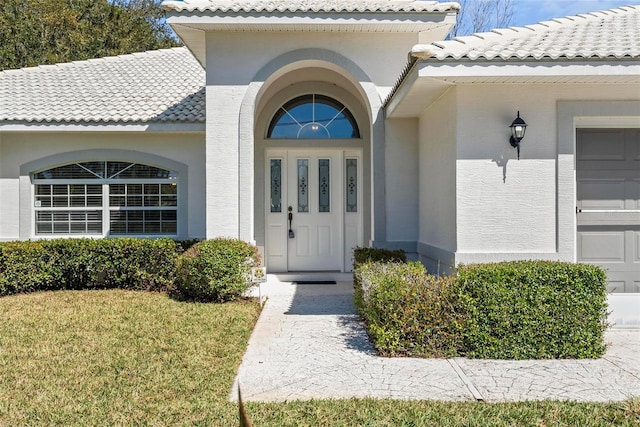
(309, 343)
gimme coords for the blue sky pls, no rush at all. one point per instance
(533, 11)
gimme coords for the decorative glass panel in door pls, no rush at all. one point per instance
(324, 189)
(352, 185)
(276, 185)
(303, 185)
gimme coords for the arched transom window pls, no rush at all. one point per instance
(106, 198)
(313, 117)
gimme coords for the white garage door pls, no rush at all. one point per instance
(608, 204)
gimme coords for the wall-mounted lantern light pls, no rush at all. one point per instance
(518, 128)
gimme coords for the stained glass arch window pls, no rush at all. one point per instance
(313, 116)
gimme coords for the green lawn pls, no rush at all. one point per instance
(135, 358)
(394, 413)
(118, 358)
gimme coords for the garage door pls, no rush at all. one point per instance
(608, 203)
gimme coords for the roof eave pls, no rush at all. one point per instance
(191, 27)
(309, 21)
(274, 7)
(524, 69)
(430, 78)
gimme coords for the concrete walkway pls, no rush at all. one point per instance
(309, 343)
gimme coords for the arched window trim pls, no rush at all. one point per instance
(107, 170)
(111, 198)
(312, 128)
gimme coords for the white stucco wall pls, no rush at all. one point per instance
(18, 149)
(222, 160)
(8, 211)
(504, 204)
(507, 208)
(239, 64)
(234, 58)
(478, 203)
(437, 154)
(401, 168)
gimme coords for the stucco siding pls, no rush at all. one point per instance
(9, 209)
(222, 161)
(9, 201)
(248, 54)
(437, 161)
(515, 215)
(505, 204)
(507, 208)
(19, 149)
(235, 94)
(402, 179)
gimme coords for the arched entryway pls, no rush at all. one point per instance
(312, 175)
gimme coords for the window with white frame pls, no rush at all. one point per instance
(106, 198)
(313, 116)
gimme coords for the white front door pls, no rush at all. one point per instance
(315, 207)
(310, 219)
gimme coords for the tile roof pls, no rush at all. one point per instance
(156, 86)
(611, 33)
(352, 6)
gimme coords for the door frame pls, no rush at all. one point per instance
(371, 135)
(350, 224)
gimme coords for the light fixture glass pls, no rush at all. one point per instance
(518, 129)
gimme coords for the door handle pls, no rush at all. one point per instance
(291, 233)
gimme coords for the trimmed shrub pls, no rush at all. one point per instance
(534, 310)
(216, 270)
(509, 310)
(363, 255)
(409, 312)
(138, 264)
(127, 263)
(28, 267)
(369, 255)
(184, 245)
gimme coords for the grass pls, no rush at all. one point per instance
(394, 413)
(117, 357)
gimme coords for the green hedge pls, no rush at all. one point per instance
(534, 310)
(363, 255)
(408, 312)
(212, 270)
(510, 310)
(126, 263)
(27, 267)
(216, 270)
